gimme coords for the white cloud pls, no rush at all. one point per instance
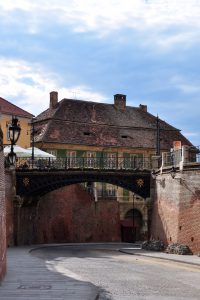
(107, 15)
(186, 85)
(28, 86)
(191, 134)
(186, 38)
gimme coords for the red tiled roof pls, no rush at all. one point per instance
(7, 107)
(100, 124)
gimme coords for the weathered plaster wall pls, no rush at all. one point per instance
(176, 211)
(2, 214)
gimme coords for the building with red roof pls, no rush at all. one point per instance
(9, 110)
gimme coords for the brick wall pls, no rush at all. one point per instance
(189, 213)
(2, 216)
(9, 199)
(69, 214)
(176, 211)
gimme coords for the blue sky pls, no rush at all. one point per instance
(91, 50)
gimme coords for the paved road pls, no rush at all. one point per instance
(120, 276)
(30, 278)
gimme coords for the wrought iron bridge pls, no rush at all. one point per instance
(82, 163)
(41, 176)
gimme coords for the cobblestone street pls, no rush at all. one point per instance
(99, 271)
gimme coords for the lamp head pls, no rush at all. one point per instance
(14, 131)
(12, 157)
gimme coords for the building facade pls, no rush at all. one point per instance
(87, 131)
(9, 110)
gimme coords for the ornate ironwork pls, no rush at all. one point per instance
(85, 163)
(35, 182)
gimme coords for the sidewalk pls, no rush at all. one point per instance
(188, 259)
(29, 278)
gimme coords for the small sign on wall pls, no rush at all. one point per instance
(177, 145)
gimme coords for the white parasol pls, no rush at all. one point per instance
(20, 152)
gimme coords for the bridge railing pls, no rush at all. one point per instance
(185, 156)
(119, 163)
(172, 158)
(192, 154)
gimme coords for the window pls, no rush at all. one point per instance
(111, 160)
(136, 161)
(71, 159)
(106, 190)
(111, 190)
(133, 160)
(91, 159)
(86, 133)
(53, 152)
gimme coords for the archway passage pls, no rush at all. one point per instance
(69, 215)
(39, 183)
(131, 226)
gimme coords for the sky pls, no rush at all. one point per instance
(148, 50)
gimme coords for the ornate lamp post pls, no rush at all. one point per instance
(32, 135)
(133, 219)
(157, 136)
(14, 133)
(32, 132)
(33, 141)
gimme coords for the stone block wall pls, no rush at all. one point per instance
(176, 211)
(69, 214)
(2, 214)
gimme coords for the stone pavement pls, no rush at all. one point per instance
(28, 278)
(136, 250)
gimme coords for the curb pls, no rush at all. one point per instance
(162, 258)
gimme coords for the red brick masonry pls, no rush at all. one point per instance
(176, 213)
(69, 214)
(2, 216)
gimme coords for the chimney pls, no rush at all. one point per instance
(53, 99)
(120, 101)
(143, 107)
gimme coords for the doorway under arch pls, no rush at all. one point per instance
(131, 226)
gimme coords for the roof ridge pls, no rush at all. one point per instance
(94, 102)
(14, 106)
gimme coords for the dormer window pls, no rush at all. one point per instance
(124, 136)
(86, 133)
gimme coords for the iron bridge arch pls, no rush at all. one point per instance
(34, 182)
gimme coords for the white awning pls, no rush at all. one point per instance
(20, 152)
(38, 153)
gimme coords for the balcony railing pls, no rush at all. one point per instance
(186, 155)
(98, 163)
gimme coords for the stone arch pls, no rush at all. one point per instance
(129, 212)
(40, 183)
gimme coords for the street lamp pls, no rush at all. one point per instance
(14, 133)
(133, 220)
(33, 141)
(32, 132)
(157, 136)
